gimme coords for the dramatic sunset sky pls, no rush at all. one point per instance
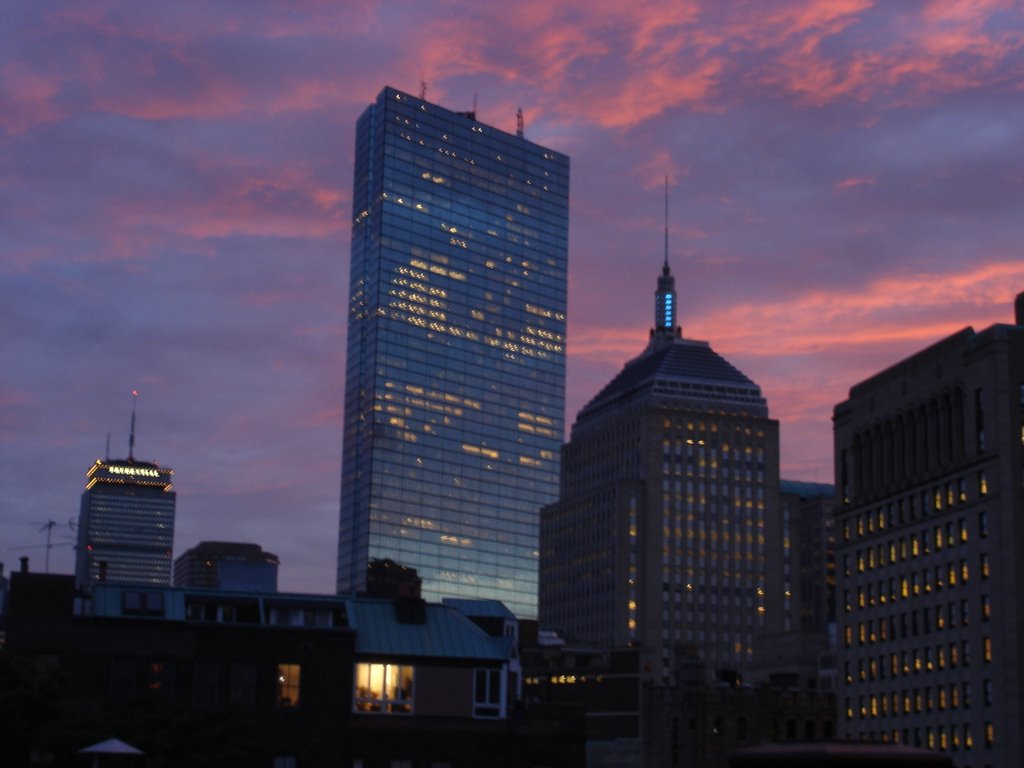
(846, 187)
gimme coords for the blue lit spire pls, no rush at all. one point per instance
(666, 309)
(665, 312)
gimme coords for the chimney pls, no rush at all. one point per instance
(386, 578)
(24, 564)
(1018, 307)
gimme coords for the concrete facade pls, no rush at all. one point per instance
(666, 529)
(930, 473)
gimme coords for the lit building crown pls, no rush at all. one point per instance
(665, 308)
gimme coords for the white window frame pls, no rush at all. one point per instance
(488, 708)
(385, 705)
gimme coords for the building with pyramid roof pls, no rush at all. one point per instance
(663, 536)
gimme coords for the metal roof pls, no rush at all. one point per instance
(686, 369)
(806, 490)
(479, 609)
(445, 633)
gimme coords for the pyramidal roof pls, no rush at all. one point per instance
(682, 369)
(686, 370)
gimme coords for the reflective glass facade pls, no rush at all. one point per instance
(455, 374)
(127, 522)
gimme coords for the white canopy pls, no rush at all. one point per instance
(112, 747)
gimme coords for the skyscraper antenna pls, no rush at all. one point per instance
(106, 455)
(131, 439)
(666, 223)
(520, 123)
(423, 90)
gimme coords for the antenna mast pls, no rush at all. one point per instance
(131, 439)
(520, 123)
(50, 525)
(666, 221)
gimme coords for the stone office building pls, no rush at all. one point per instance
(930, 515)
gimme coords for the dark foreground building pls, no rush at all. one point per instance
(838, 755)
(803, 647)
(207, 677)
(227, 565)
(930, 473)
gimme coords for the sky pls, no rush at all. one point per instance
(846, 187)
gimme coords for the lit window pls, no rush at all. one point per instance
(158, 676)
(288, 676)
(383, 688)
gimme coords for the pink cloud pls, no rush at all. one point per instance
(27, 96)
(850, 183)
(272, 202)
(903, 309)
(611, 64)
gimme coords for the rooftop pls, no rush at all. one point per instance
(806, 490)
(444, 633)
(686, 369)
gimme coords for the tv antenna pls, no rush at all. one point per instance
(48, 526)
(666, 221)
(131, 439)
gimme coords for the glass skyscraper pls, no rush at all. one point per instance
(126, 524)
(455, 374)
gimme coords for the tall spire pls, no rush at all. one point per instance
(665, 304)
(664, 269)
(131, 439)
